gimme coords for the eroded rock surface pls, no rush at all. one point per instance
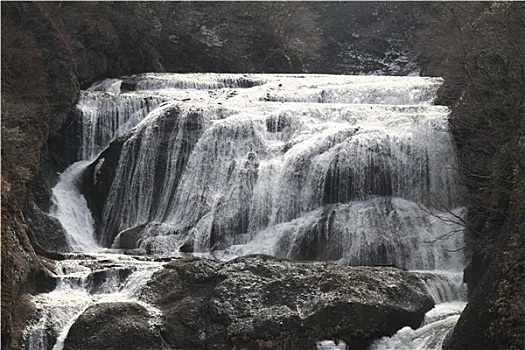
(261, 302)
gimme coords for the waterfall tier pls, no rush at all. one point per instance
(359, 170)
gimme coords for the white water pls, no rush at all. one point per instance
(331, 345)
(71, 210)
(430, 336)
(76, 291)
(359, 170)
(103, 118)
(450, 295)
(106, 116)
(403, 233)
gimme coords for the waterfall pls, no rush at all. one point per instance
(280, 164)
(359, 170)
(100, 119)
(438, 322)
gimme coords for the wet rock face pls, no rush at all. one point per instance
(116, 326)
(47, 230)
(260, 302)
(99, 176)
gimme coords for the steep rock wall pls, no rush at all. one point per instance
(40, 85)
(486, 93)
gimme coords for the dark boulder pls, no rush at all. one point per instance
(129, 84)
(260, 302)
(47, 231)
(114, 326)
(98, 177)
(128, 239)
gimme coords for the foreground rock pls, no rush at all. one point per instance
(260, 302)
(114, 326)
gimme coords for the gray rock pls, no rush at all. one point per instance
(113, 326)
(261, 302)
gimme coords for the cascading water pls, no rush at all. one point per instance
(102, 118)
(449, 293)
(82, 281)
(357, 170)
(71, 209)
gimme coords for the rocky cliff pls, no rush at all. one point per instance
(486, 91)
